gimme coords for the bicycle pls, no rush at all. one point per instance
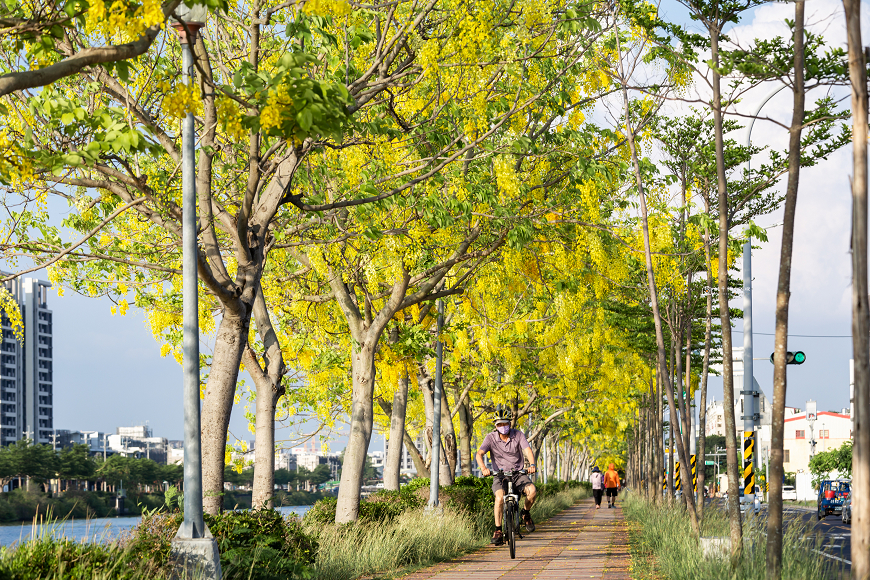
(511, 515)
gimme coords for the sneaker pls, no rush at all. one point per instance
(497, 538)
(527, 520)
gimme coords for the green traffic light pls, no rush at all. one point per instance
(793, 358)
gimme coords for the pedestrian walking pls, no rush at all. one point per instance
(611, 485)
(597, 481)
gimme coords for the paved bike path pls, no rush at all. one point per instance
(580, 542)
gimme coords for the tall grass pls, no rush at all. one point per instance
(46, 557)
(663, 546)
(414, 537)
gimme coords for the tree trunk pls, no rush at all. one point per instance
(230, 342)
(705, 370)
(425, 384)
(416, 456)
(466, 430)
(671, 479)
(860, 308)
(264, 459)
(448, 435)
(361, 421)
(731, 443)
(660, 438)
(269, 391)
(392, 464)
(652, 447)
(774, 501)
(685, 423)
(552, 457)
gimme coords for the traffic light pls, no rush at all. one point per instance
(792, 358)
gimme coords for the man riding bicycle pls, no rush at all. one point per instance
(507, 447)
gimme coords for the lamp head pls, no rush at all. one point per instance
(193, 16)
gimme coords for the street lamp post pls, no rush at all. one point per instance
(435, 466)
(194, 550)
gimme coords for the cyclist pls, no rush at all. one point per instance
(507, 447)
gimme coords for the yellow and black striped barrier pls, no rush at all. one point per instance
(694, 474)
(748, 471)
(677, 486)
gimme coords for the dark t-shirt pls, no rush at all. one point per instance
(506, 455)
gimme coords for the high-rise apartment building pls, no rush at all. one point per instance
(26, 373)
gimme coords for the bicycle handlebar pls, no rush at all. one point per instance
(510, 472)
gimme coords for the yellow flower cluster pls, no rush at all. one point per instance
(10, 308)
(16, 165)
(506, 178)
(230, 118)
(328, 7)
(278, 101)
(181, 100)
(123, 19)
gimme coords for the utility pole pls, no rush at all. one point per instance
(750, 395)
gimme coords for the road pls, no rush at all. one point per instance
(837, 536)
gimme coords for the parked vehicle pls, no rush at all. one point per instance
(789, 492)
(832, 494)
(846, 516)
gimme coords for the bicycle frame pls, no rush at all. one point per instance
(512, 501)
(511, 513)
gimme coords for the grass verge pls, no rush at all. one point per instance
(662, 546)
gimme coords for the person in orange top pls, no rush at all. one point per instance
(611, 485)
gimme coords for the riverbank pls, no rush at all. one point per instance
(22, 506)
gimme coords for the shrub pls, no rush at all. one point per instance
(254, 545)
(262, 545)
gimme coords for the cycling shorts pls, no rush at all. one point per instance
(520, 483)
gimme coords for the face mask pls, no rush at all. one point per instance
(503, 429)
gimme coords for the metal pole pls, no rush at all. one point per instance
(436, 415)
(193, 526)
(750, 395)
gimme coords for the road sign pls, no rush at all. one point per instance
(708, 462)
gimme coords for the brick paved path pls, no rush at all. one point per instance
(580, 542)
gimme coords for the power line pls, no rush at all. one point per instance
(802, 335)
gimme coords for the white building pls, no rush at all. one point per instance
(139, 441)
(26, 373)
(311, 461)
(829, 431)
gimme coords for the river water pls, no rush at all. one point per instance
(94, 530)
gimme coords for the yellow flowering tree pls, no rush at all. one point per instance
(313, 119)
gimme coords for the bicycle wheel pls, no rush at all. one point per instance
(509, 519)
